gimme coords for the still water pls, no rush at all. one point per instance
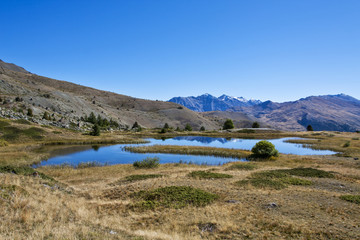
(115, 154)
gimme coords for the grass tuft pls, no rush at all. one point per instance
(262, 183)
(174, 197)
(148, 162)
(242, 166)
(208, 175)
(351, 198)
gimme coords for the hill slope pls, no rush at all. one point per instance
(69, 102)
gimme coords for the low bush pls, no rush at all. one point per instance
(347, 144)
(208, 175)
(174, 197)
(264, 149)
(148, 162)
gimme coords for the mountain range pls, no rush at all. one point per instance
(208, 102)
(328, 112)
(67, 103)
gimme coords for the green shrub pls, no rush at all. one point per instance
(228, 124)
(208, 175)
(95, 130)
(255, 125)
(174, 197)
(202, 128)
(347, 144)
(148, 162)
(264, 149)
(30, 112)
(351, 198)
(309, 128)
(188, 127)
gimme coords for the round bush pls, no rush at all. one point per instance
(264, 149)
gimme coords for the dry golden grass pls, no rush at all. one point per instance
(85, 204)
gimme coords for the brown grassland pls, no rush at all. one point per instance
(102, 203)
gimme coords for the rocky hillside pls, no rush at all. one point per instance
(329, 112)
(207, 102)
(66, 103)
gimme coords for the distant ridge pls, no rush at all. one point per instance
(338, 112)
(208, 102)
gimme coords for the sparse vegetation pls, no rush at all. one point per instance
(228, 124)
(12, 133)
(242, 166)
(347, 144)
(351, 198)
(25, 171)
(279, 179)
(22, 121)
(139, 177)
(208, 175)
(174, 197)
(148, 162)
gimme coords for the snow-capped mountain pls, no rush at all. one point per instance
(208, 102)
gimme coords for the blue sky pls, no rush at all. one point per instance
(157, 49)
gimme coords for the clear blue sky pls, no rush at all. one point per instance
(157, 49)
